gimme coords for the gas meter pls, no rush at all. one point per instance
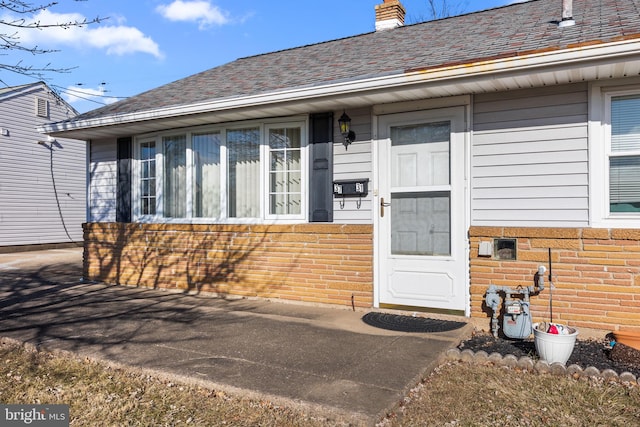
(513, 308)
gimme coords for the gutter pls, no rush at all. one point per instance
(517, 62)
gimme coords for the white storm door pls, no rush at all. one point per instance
(421, 217)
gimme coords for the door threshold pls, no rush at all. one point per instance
(422, 309)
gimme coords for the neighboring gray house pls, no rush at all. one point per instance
(481, 141)
(42, 178)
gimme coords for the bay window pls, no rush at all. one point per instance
(224, 174)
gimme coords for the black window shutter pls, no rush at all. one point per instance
(123, 191)
(321, 180)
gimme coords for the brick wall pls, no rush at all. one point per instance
(320, 263)
(596, 274)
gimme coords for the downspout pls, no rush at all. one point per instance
(87, 181)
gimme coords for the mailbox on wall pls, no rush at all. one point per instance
(351, 188)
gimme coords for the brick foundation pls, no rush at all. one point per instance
(597, 271)
(596, 274)
(318, 263)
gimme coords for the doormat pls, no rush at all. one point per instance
(396, 322)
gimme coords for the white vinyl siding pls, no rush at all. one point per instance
(103, 168)
(530, 158)
(355, 162)
(30, 214)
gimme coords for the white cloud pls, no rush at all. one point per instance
(114, 39)
(200, 11)
(75, 94)
(122, 40)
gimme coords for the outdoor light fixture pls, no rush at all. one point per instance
(345, 124)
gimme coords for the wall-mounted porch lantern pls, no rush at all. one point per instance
(345, 129)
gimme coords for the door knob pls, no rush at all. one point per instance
(382, 206)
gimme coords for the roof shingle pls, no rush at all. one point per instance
(502, 32)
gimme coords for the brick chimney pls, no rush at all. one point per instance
(389, 14)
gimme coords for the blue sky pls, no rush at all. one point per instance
(147, 43)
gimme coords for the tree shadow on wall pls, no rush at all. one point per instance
(212, 259)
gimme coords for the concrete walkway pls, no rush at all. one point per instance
(326, 359)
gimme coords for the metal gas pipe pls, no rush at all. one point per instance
(517, 321)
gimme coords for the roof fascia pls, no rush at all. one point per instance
(21, 90)
(536, 61)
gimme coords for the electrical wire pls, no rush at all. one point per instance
(85, 96)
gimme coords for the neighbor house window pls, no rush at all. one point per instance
(148, 178)
(240, 173)
(624, 155)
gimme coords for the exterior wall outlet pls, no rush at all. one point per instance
(486, 249)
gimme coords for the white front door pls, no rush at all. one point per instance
(421, 233)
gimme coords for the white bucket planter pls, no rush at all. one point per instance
(554, 348)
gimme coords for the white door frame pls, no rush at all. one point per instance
(463, 101)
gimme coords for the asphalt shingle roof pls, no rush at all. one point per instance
(502, 32)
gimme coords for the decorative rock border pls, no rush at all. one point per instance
(540, 366)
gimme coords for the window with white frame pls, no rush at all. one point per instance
(285, 171)
(207, 181)
(174, 149)
(147, 178)
(623, 153)
(239, 173)
(243, 177)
